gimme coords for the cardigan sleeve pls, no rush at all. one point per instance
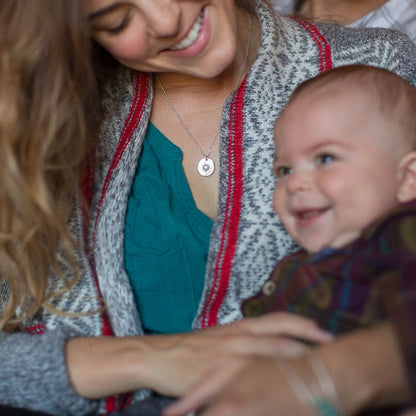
(33, 374)
(385, 48)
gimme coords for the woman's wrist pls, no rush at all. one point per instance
(104, 366)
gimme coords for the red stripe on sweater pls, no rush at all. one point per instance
(132, 121)
(35, 329)
(130, 125)
(229, 233)
(323, 45)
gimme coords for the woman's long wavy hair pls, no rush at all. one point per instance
(46, 87)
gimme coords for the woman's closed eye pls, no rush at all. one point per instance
(113, 28)
(325, 159)
(120, 27)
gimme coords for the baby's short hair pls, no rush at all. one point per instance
(393, 96)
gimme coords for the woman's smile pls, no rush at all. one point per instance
(195, 40)
(191, 36)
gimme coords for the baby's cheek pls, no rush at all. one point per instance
(279, 201)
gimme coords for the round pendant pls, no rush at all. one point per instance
(206, 166)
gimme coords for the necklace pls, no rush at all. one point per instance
(206, 166)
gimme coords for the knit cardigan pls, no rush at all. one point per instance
(247, 238)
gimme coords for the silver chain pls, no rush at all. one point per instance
(185, 127)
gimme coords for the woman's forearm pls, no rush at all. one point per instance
(100, 367)
(105, 366)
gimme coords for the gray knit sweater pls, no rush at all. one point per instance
(247, 238)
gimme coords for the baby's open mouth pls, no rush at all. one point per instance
(306, 214)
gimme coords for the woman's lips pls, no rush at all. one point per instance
(196, 40)
(191, 36)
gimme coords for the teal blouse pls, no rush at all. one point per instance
(166, 239)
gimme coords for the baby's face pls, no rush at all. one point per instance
(336, 167)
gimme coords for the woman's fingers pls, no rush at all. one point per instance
(265, 345)
(285, 324)
(251, 387)
(206, 388)
(183, 360)
(175, 370)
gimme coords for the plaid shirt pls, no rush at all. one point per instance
(395, 14)
(364, 283)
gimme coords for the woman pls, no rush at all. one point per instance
(201, 51)
(49, 294)
(390, 14)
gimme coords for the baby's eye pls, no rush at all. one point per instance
(325, 159)
(282, 171)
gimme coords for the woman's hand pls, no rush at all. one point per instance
(175, 363)
(366, 368)
(243, 387)
(171, 364)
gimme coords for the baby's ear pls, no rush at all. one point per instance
(407, 178)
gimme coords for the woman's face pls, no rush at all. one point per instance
(193, 37)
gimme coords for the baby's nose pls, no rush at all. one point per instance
(299, 181)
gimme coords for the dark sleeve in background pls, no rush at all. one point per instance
(14, 411)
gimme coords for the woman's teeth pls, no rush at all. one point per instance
(192, 35)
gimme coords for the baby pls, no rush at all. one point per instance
(345, 164)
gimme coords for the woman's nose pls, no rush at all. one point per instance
(163, 17)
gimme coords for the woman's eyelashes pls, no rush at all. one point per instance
(114, 29)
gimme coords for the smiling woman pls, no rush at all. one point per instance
(153, 39)
(167, 248)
